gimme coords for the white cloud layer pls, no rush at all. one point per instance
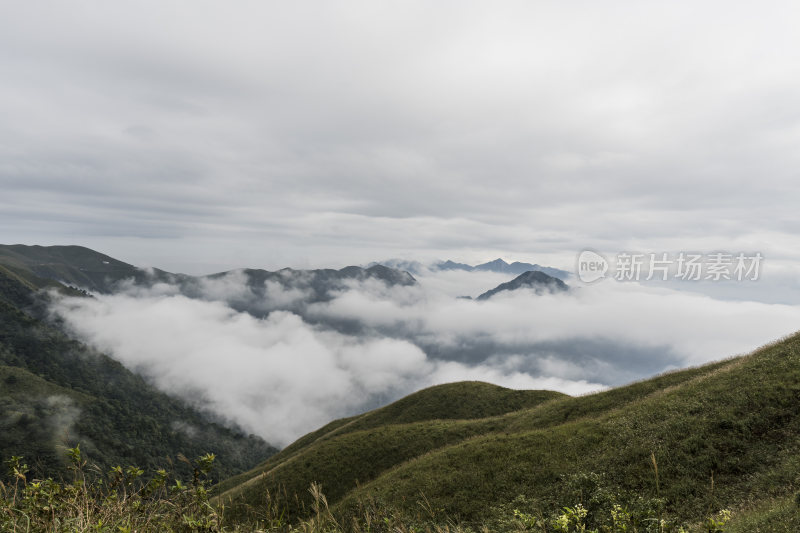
(281, 376)
(278, 377)
(696, 326)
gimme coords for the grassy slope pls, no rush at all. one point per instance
(36, 415)
(465, 400)
(344, 452)
(27, 279)
(357, 449)
(71, 265)
(737, 420)
(770, 515)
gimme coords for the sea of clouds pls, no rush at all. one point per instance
(279, 365)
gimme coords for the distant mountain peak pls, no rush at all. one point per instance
(533, 279)
(497, 264)
(410, 267)
(501, 266)
(452, 265)
(390, 275)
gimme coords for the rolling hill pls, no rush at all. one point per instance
(357, 449)
(736, 421)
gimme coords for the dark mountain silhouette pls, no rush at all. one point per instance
(86, 269)
(539, 281)
(500, 266)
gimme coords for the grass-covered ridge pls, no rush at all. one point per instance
(70, 265)
(357, 449)
(736, 421)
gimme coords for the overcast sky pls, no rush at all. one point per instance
(198, 136)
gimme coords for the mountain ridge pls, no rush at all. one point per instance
(286, 289)
(497, 265)
(737, 418)
(57, 392)
(532, 279)
(500, 266)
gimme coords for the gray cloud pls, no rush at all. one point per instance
(278, 376)
(282, 135)
(614, 331)
(281, 373)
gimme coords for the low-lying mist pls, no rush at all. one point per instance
(280, 364)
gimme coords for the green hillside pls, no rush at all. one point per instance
(70, 265)
(56, 392)
(359, 448)
(736, 420)
(451, 401)
(738, 423)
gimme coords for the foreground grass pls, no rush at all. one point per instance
(781, 515)
(710, 449)
(121, 501)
